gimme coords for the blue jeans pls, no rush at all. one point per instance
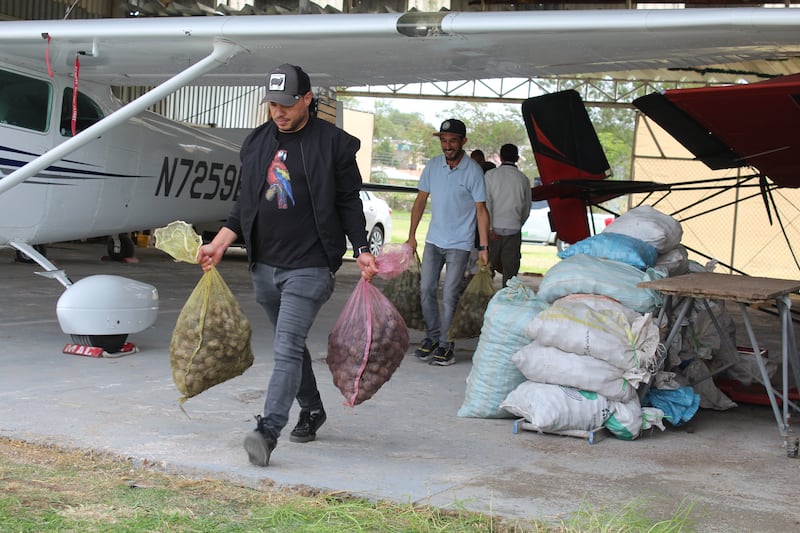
(433, 259)
(292, 298)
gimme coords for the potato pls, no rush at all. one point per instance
(361, 364)
(210, 344)
(403, 292)
(468, 317)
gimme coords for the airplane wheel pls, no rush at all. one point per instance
(375, 240)
(109, 343)
(126, 248)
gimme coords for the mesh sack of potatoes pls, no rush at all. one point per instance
(468, 316)
(404, 293)
(366, 345)
(211, 339)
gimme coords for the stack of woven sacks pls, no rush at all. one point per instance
(598, 341)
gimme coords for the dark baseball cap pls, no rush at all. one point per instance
(286, 85)
(452, 125)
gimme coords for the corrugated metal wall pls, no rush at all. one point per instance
(224, 107)
(56, 9)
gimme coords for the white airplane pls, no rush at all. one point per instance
(114, 168)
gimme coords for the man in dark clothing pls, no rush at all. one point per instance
(298, 201)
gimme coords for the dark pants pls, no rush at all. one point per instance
(505, 252)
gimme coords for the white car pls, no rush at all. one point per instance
(379, 221)
(538, 230)
(376, 211)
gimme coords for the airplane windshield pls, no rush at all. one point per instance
(88, 113)
(24, 101)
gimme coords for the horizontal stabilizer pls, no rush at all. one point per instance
(594, 191)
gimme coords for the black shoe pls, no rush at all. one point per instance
(443, 355)
(307, 426)
(425, 350)
(259, 444)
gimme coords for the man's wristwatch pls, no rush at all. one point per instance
(362, 250)
(482, 248)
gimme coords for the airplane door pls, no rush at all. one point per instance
(115, 204)
(25, 132)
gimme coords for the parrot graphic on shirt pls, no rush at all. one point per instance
(279, 181)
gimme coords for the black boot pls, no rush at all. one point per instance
(259, 444)
(307, 426)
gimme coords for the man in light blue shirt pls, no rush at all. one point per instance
(458, 205)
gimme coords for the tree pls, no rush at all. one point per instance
(383, 153)
(490, 126)
(614, 126)
(407, 129)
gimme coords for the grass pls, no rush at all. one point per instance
(45, 488)
(536, 258)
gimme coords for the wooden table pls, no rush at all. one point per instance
(745, 291)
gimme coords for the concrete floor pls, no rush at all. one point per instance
(406, 444)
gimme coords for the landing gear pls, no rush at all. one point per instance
(120, 247)
(22, 257)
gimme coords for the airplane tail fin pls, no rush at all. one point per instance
(566, 147)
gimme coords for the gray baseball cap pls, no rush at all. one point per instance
(286, 85)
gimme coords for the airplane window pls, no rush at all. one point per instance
(24, 101)
(88, 113)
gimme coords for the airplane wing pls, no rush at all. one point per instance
(738, 125)
(361, 49)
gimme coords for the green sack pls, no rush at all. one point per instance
(403, 292)
(468, 317)
(211, 340)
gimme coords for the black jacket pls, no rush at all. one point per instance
(329, 157)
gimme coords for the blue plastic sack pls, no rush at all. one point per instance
(615, 247)
(679, 405)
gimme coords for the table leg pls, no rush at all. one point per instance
(685, 305)
(782, 427)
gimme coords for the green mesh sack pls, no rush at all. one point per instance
(211, 340)
(468, 316)
(179, 240)
(403, 291)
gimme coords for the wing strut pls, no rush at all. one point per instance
(222, 52)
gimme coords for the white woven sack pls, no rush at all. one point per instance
(675, 261)
(546, 364)
(557, 408)
(601, 303)
(625, 421)
(650, 225)
(610, 335)
(628, 419)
